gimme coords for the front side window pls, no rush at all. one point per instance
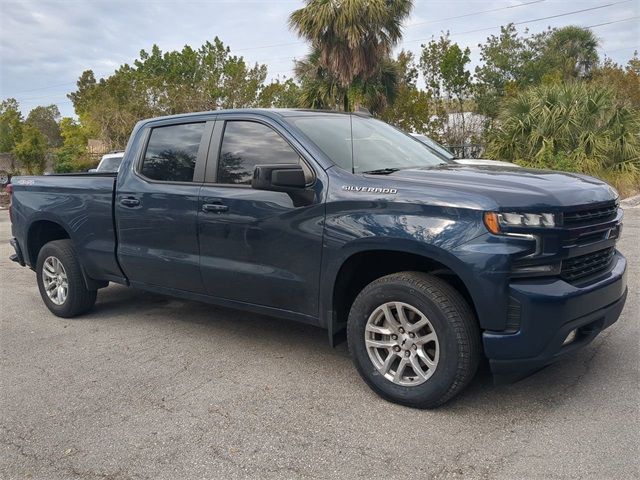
(172, 151)
(247, 144)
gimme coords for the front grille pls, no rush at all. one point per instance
(585, 265)
(591, 216)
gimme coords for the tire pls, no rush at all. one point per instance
(78, 298)
(445, 350)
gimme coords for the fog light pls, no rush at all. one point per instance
(571, 337)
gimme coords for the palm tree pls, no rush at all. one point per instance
(320, 89)
(349, 38)
(573, 50)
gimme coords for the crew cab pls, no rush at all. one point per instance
(344, 222)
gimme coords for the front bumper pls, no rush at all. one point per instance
(16, 257)
(549, 310)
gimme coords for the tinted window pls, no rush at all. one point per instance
(172, 151)
(247, 144)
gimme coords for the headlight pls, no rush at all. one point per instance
(495, 221)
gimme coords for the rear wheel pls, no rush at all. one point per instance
(61, 282)
(413, 339)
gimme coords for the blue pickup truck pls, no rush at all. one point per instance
(338, 220)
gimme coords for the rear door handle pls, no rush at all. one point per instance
(129, 202)
(214, 207)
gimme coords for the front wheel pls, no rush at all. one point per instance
(414, 339)
(61, 282)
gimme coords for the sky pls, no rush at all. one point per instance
(45, 45)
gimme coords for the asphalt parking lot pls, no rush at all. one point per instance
(149, 387)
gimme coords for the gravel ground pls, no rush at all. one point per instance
(149, 387)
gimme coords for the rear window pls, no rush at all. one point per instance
(171, 152)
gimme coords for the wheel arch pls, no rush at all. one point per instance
(44, 230)
(41, 232)
(360, 267)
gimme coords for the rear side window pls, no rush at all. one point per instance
(247, 144)
(172, 151)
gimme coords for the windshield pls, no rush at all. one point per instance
(436, 147)
(361, 145)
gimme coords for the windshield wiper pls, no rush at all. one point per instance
(382, 171)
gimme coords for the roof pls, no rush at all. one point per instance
(270, 112)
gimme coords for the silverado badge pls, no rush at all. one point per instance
(352, 188)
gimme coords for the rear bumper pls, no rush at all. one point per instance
(17, 256)
(550, 309)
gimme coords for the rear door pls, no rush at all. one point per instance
(157, 206)
(259, 247)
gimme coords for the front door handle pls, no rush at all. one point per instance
(129, 202)
(214, 207)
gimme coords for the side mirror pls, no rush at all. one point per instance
(283, 177)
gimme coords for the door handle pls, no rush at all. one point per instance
(214, 207)
(129, 202)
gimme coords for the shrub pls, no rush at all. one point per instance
(573, 126)
(70, 159)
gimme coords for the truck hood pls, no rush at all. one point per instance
(510, 187)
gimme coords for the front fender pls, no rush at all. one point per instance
(430, 232)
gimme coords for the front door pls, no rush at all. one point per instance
(258, 247)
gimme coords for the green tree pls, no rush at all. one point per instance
(625, 81)
(410, 109)
(72, 156)
(10, 124)
(351, 41)
(444, 67)
(31, 150)
(574, 126)
(165, 83)
(509, 62)
(280, 94)
(45, 119)
(319, 89)
(571, 51)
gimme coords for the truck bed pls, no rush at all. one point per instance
(83, 204)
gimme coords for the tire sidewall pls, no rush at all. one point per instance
(66, 309)
(440, 382)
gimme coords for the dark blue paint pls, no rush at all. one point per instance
(273, 253)
(157, 240)
(82, 205)
(263, 250)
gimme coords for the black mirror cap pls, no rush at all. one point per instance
(282, 177)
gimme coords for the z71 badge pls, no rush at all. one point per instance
(388, 191)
